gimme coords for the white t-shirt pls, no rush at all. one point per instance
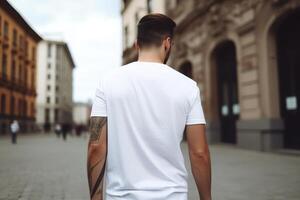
(147, 105)
(14, 127)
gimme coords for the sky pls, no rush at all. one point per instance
(92, 29)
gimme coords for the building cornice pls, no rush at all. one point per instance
(65, 46)
(14, 14)
(197, 12)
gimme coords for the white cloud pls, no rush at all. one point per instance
(92, 30)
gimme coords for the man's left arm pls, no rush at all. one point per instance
(97, 153)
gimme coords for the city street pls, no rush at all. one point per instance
(44, 167)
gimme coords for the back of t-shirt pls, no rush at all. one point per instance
(147, 105)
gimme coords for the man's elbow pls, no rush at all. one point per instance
(95, 149)
(202, 155)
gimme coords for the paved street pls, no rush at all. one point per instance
(45, 167)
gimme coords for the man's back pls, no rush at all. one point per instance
(148, 105)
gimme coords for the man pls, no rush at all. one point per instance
(14, 128)
(138, 119)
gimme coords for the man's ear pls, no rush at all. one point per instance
(167, 43)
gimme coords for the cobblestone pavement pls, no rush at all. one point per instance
(44, 167)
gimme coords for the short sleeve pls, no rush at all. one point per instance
(195, 115)
(99, 104)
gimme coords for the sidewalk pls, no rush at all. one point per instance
(43, 167)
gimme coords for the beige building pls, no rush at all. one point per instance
(82, 113)
(245, 58)
(132, 12)
(18, 44)
(54, 84)
(243, 54)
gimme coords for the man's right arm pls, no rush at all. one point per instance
(200, 159)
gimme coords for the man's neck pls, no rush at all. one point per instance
(149, 57)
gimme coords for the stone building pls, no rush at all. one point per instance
(132, 11)
(245, 58)
(54, 84)
(18, 44)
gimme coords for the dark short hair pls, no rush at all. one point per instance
(153, 28)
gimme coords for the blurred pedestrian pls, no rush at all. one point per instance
(57, 130)
(64, 131)
(14, 128)
(78, 130)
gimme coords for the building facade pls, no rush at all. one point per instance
(132, 11)
(81, 114)
(18, 45)
(244, 55)
(54, 84)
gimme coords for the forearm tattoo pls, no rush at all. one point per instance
(96, 126)
(97, 156)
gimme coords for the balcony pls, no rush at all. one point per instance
(5, 82)
(27, 60)
(21, 53)
(3, 77)
(31, 92)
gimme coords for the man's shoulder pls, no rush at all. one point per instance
(116, 71)
(111, 74)
(182, 78)
(126, 69)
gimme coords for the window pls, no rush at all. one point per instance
(5, 29)
(32, 109)
(49, 50)
(58, 53)
(13, 70)
(15, 35)
(4, 66)
(25, 77)
(48, 87)
(56, 100)
(47, 115)
(25, 108)
(48, 99)
(33, 53)
(12, 106)
(0, 25)
(26, 47)
(56, 88)
(149, 6)
(20, 74)
(21, 42)
(20, 107)
(3, 104)
(56, 113)
(49, 76)
(32, 80)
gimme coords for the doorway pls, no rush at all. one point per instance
(288, 58)
(227, 90)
